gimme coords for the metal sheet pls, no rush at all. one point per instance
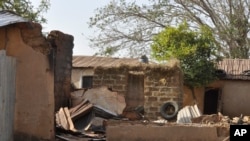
(95, 61)
(7, 96)
(7, 18)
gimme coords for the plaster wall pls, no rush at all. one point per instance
(77, 74)
(236, 98)
(34, 106)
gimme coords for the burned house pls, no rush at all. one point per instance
(143, 84)
(29, 78)
(229, 94)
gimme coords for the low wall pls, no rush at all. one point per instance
(169, 132)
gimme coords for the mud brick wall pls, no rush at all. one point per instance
(160, 85)
(160, 89)
(34, 95)
(62, 52)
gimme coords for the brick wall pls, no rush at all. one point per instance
(160, 89)
(114, 79)
(160, 86)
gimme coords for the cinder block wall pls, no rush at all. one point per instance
(116, 79)
(160, 85)
(159, 89)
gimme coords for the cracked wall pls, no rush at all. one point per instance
(34, 103)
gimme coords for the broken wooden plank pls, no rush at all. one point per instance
(58, 120)
(63, 122)
(69, 120)
(77, 107)
(82, 111)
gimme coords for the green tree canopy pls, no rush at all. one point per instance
(25, 9)
(195, 50)
(129, 26)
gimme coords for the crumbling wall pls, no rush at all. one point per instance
(63, 49)
(160, 87)
(34, 103)
(161, 84)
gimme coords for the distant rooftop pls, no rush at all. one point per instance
(235, 68)
(94, 61)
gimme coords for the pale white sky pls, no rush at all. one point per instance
(71, 17)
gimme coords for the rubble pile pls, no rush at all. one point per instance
(91, 109)
(211, 119)
(245, 120)
(87, 117)
(191, 114)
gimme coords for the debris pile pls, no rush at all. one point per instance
(211, 119)
(91, 109)
(245, 120)
(221, 119)
(88, 114)
(191, 114)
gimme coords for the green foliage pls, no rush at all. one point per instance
(195, 50)
(25, 9)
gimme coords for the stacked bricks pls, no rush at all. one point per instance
(158, 87)
(115, 80)
(158, 91)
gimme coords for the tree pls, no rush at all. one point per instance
(195, 50)
(130, 26)
(25, 9)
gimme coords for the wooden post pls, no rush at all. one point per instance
(7, 96)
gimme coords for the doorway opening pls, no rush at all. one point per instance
(211, 100)
(135, 95)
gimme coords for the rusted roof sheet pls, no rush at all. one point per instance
(7, 17)
(235, 68)
(94, 61)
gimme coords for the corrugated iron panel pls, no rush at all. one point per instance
(94, 61)
(7, 96)
(235, 68)
(7, 17)
(187, 113)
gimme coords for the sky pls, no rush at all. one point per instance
(71, 17)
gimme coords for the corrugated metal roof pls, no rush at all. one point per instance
(7, 17)
(94, 61)
(235, 68)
